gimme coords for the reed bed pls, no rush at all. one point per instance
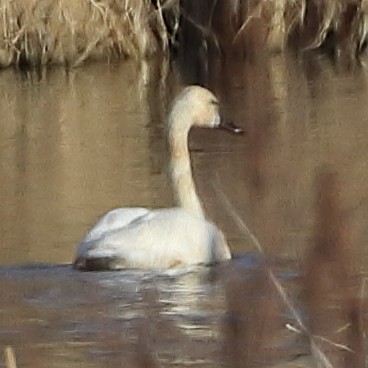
(69, 32)
(252, 26)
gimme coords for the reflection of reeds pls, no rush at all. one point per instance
(253, 322)
(334, 327)
(334, 313)
(329, 261)
(356, 338)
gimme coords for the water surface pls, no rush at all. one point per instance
(75, 144)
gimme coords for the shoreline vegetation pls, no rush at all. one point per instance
(66, 32)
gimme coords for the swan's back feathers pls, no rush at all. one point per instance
(113, 220)
(159, 239)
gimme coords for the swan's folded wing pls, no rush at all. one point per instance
(159, 239)
(113, 220)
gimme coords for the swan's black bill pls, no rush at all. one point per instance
(230, 127)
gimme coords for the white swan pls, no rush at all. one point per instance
(163, 238)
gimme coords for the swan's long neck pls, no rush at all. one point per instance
(180, 167)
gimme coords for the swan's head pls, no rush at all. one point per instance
(203, 106)
(197, 106)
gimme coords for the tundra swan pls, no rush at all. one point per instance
(169, 237)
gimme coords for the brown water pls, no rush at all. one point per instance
(76, 144)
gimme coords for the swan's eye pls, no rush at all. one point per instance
(214, 102)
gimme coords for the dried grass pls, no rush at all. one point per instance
(251, 25)
(10, 360)
(69, 32)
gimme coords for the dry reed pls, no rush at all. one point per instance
(69, 32)
(250, 26)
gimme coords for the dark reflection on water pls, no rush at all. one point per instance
(76, 144)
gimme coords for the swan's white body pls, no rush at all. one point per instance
(182, 239)
(163, 238)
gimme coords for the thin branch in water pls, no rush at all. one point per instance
(241, 224)
(321, 338)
